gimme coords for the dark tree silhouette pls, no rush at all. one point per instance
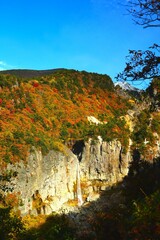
(145, 12)
(143, 65)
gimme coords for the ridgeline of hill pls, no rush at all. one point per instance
(29, 73)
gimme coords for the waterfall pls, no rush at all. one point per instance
(79, 192)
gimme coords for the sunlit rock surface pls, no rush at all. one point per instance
(53, 178)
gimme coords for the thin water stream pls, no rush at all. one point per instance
(79, 191)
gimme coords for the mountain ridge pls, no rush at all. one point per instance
(127, 86)
(29, 73)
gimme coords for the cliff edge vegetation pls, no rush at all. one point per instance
(48, 111)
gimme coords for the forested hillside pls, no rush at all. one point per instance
(51, 110)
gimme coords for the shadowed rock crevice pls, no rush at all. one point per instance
(78, 149)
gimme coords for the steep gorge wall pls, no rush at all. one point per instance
(104, 161)
(54, 177)
(103, 164)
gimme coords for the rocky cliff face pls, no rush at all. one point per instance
(50, 178)
(104, 161)
(103, 164)
(45, 183)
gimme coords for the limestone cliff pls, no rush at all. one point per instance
(53, 178)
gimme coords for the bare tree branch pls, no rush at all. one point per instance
(145, 12)
(141, 65)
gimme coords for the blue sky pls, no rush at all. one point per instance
(90, 35)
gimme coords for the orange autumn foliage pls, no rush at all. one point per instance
(53, 108)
